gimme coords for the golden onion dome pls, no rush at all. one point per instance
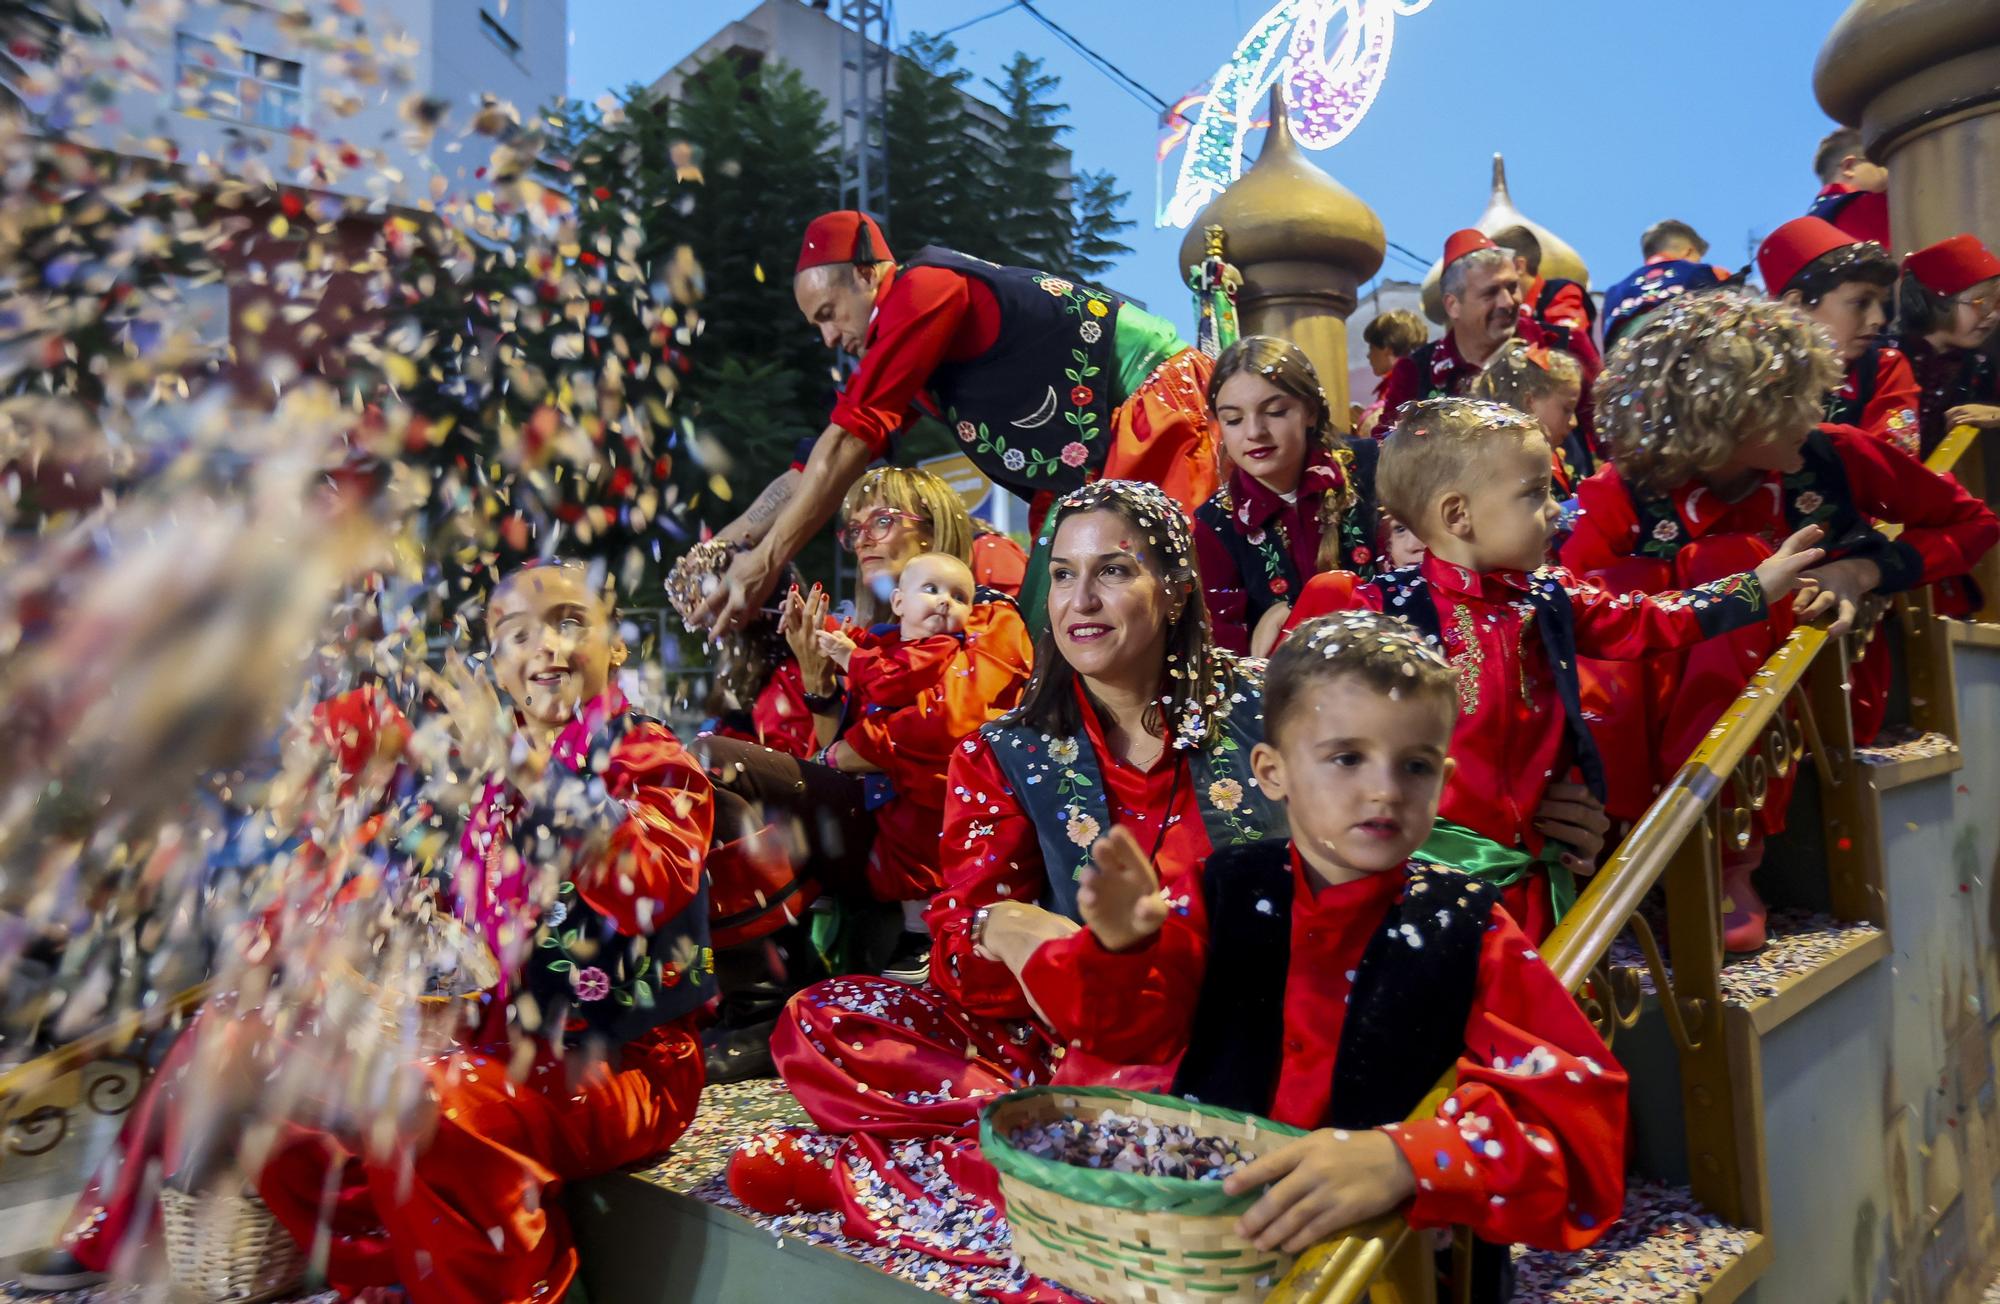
(1285, 208)
(1559, 258)
(1880, 44)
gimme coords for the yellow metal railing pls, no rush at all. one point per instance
(1678, 841)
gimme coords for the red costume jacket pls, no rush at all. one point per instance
(1570, 309)
(1863, 214)
(1880, 395)
(998, 563)
(924, 316)
(1530, 1147)
(1510, 741)
(1946, 530)
(991, 854)
(913, 703)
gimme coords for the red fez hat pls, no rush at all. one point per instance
(1460, 243)
(1953, 266)
(843, 237)
(1786, 251)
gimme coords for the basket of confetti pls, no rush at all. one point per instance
(1118, 1194)
(226, 1249)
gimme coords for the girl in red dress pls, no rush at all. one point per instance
(1712, 413)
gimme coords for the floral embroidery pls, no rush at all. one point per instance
(1096, 308)
(591, 984)
(1667, 531)
(1064, 751)
(1807, 503)
(1091, 331)
(1081, 396)
(1074, 454)
(1029, 462)
(1082, 829)
(967, 431)
(1055, 285)
(1013, 459)
(1225, 794)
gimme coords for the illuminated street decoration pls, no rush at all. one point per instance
(1331, 55)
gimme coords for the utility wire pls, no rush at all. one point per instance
(1131, 85)
(991, 13)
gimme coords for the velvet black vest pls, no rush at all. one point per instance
(1034, 411)
(1405, 1016)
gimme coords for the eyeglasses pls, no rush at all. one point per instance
(1981, 304)
(872, 528)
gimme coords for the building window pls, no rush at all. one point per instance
(502, 21)
(227, 81)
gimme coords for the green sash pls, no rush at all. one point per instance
(1457, 847)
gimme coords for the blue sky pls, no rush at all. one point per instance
(1612, 114)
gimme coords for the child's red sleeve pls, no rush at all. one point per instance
(972, 682)
(653, 866)
(1530, 1147)
(1126, 1007)
(988, 854)
(1222, 591)
(892, 672)
(1632, 626)
(1945, 529)
(1331, 591)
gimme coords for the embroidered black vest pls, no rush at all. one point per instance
(1407, 594)
(1818, 493)
(1034, 411)
(1267, 569)
(581, 969)
(1059, 784)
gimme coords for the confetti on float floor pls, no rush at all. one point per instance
(1921, 748)
(1800, 942)
(1664, 1247)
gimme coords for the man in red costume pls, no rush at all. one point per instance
(1048, 384)
(1483, 306)
(1854, 191)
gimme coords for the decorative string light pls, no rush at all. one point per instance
(1330, 54)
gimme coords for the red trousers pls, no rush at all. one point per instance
(476, 1217)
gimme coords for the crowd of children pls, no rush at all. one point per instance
(1125, 851)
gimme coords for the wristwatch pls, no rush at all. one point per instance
(824, 703)
(979, 918)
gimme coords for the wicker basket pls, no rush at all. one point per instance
(1121, 1237)
(226, 1249)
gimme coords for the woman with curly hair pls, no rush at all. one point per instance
(1712, 414)
(1297, 500)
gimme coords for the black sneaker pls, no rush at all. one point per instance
(910, 962)
(57, 1269)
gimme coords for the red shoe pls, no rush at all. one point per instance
(1743, 912)
(789, 1170)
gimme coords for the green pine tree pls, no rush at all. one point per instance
(1036, 226)
(1096, 245)
(942, 187)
